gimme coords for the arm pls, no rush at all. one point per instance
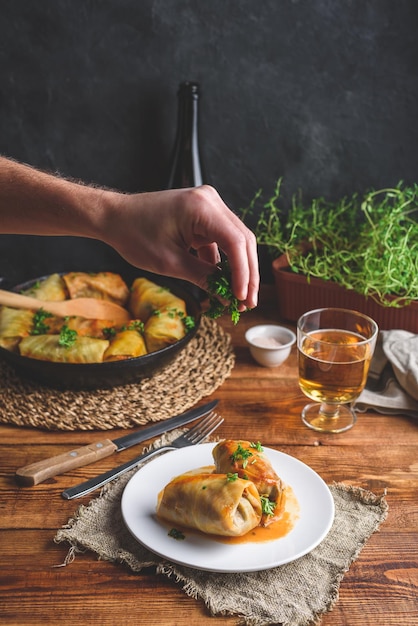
(154, 231)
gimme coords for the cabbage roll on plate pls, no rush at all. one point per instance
(248, 460)
(211, 503)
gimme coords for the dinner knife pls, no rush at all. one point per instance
(41, 470)
(193, 437)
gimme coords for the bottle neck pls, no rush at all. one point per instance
(186, 164)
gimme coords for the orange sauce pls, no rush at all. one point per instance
(277, 529)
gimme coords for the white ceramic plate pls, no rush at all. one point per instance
(139, 503)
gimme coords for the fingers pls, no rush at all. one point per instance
(170, 223)
(243, 261)
(217, 223)
(209, 253)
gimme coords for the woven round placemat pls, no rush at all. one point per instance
(196, 372)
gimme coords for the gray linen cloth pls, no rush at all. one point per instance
(392, 384)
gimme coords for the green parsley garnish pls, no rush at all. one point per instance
(257, 446)
(219, 285)
(135, 325)
(67, 337)
(109, 332)
(188, 320)
(176, 534)
(241, 454)
(39, 326)
(231, 477)
(267, 506)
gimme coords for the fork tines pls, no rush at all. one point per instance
(204, 428)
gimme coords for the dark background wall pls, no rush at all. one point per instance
(321, 92)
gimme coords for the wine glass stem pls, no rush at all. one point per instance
(329, 411)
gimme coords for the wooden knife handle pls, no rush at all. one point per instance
(41, 470)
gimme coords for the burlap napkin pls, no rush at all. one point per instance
(295, 594)
(392, 384)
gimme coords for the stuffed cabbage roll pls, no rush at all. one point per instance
(49, 348)
(126, 344)
(211, 503)
(103, 285)
(147, 297)
(47, 324)
(52, 289)
(163, 328)
(249, 461)
(101, 329)
(14, 324)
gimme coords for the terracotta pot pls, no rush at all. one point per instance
(296, 295)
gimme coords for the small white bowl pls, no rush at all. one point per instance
(270, 345)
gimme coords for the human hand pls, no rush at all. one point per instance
(156, 231)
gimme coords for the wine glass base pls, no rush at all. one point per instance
(344, 419)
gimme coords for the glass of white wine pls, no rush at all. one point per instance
(335, 347)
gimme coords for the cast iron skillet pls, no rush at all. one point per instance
(80, 376)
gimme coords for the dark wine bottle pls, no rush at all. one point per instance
(186, 169)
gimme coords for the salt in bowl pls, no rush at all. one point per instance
(270, 345)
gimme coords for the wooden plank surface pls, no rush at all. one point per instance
(380, 454)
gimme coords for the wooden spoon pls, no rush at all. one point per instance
(91, 308)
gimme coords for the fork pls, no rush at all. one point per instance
(193, 436)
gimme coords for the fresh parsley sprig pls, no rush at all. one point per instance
(267, 506)
(219, 286)
(241, 454)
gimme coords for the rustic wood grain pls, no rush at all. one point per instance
(379, 453)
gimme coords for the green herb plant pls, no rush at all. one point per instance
(366, 243)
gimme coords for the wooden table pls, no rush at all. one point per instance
(378, 454)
